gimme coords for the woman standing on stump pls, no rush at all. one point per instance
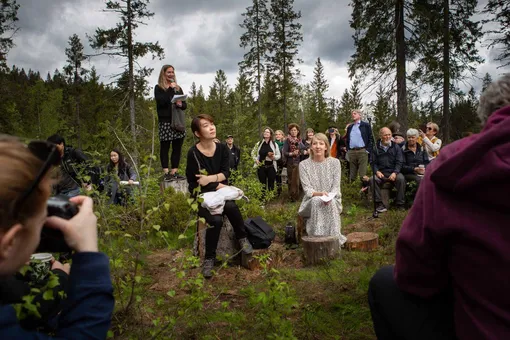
(214, 159)
(320, 177)
(164, 92)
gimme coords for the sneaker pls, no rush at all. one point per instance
(176, 177)
(207, 268)
(246, 246)
(381, 208)
(167, 177)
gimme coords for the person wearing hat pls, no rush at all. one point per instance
(234, 154)
(336, 142)
(398, 138)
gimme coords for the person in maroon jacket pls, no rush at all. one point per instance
(451, 277)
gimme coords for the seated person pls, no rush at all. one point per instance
(119, 170)
(212, 157)
(320, 176)
(387, 162)
(450, 279)
(26, 188)
(415, 158)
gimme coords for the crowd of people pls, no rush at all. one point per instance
(448, 280)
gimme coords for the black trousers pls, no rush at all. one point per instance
(267, 176)
(398, 315)
(215, 222)
(279, 180)
(400, 185)
(176, 152)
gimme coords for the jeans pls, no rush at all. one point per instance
(398, 315)
(400, 185)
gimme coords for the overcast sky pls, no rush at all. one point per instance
(199, 37)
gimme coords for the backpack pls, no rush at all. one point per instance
(260, 234)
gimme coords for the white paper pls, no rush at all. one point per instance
(328, 197)
(127, 182)
(181, 97)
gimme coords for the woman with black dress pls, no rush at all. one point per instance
(214, 159)
(164, 92)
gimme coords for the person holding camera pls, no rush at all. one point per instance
(265, 154)
(164, 92)
(26, 187)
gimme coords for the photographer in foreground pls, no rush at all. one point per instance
(25, 190)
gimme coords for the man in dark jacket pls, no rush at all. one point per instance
(415, 158)
(450, 280)
(387, 161)
(359, 142)
(234, 154)
(73, 164)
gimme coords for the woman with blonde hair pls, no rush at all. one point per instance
(322, 202)
(164, 92)
(279, 139)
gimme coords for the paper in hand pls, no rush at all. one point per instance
(177, 97)
(328, 197)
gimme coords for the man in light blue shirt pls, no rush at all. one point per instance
(359, 145)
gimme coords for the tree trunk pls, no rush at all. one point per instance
(362, 241)
(284, 75)
(446, 72)
(401, 65)
(258, 70)
(131, 87)
(320, 249)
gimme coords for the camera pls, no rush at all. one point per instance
(52, 240)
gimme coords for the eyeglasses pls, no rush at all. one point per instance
(46, 152)
(429, 128)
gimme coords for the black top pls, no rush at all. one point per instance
(235, 156)
(164, 102)
(388, 161)
(413, 160)
(74, 162)
(218, 163)
(265, 148)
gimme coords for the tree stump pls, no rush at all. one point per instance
(363, 241)
(251, 262)
(228, 246)
(320, 249)
(179, 185)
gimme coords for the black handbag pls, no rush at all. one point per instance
(178, 119)
(260, 234)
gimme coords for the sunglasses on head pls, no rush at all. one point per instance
(429, 128)
(49, 154)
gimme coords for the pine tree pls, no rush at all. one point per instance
(119, 42)
(256, 39)
(319, 87)
(381, 109)
(75, 73)
(8, 19)
(499, 37)
(345, 108)
(286, 38)
(487, 79)
(217, 100)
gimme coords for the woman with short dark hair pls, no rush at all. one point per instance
(266, 153)
(207, 170)
(119, 170)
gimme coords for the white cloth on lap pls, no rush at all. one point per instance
(214, 201)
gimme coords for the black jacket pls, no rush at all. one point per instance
(389, 161)
(412, 160)
(164, 102)
(366, 134)
(234, 156)
(74, 163)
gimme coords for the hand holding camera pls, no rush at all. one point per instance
(80, 232)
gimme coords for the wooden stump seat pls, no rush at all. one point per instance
(320, 249)
(362, 241)
(179, 185)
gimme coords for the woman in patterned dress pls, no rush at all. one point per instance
(164, 92)
(320, 176)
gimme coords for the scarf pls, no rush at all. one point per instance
(293, 143)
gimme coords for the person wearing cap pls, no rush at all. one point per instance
(234, 152)
(359, 145)
(398, 138)
(336, 142)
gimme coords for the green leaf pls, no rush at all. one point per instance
(137, 279)
(138, 298)
(171, 293)
(127, 235)
(156, 227)
(194, 206)
(109, 334)
(48, 295)
(181, 236)
(190, 200)
(167, 206)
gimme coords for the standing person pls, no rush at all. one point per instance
(336, 143)
(279, 140)
(307, 144)
(214, 159)
(359, 145)
(73, 165)
(450, 279)
(119, 170)
(235, 152)
(164, 92)
(429, 141)
(320, 175)
(87, 309)
(265, 155)
(291, 152)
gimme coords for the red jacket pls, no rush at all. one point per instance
(457, 234)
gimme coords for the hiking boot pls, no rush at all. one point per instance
(207, 268)
(381, 208)
(176, 177)
(167, 177)
(246, 246)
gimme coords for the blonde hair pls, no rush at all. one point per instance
(321, 137)
(434, 126)
(19, 169)
(162, 80)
